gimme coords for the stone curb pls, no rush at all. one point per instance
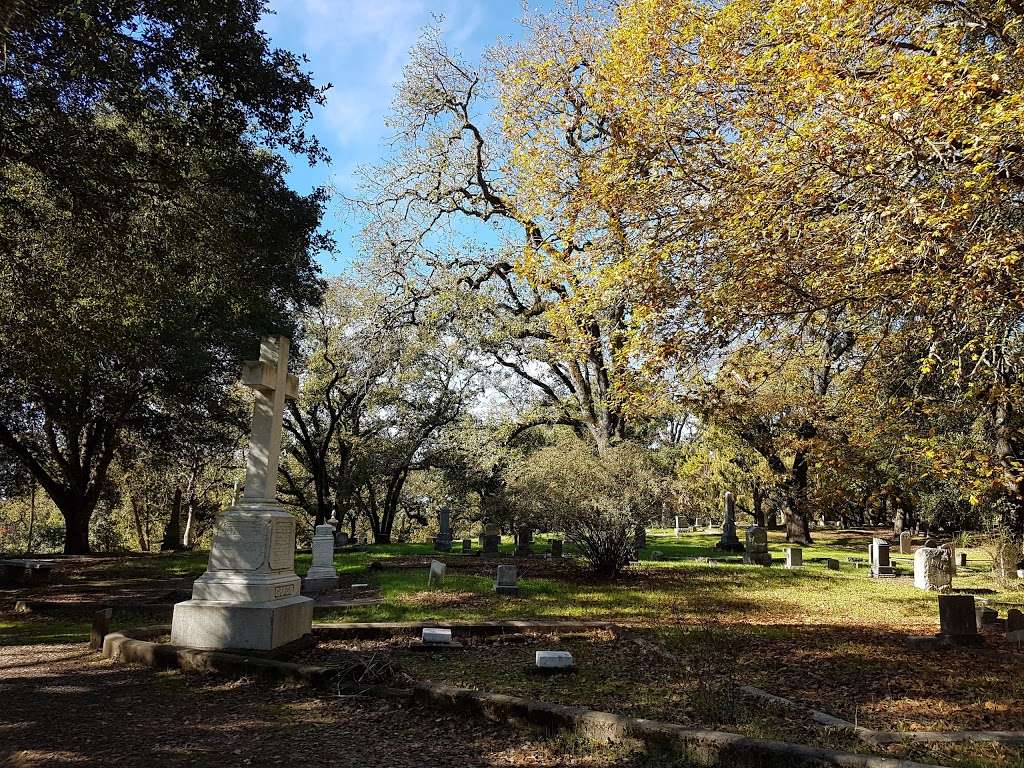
(882, 738)
(58, 608)
(706, 748)
(382, 629)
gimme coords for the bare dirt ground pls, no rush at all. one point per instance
(64, 706)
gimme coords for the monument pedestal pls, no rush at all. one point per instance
(248, 599)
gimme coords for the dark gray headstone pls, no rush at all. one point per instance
(957, 618)
(524, 541)
(443, 540)
(1014, 625)
(506, 582)
(556, 547)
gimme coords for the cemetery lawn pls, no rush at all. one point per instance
(835, 641)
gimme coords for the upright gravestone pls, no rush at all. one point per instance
(881, 566)
(172, 534)
(322, 575)
(524, 541)
(506, 581)
(676, 531)
(794, 557)
(436, 575)
(931, 572)
(249, 596)
(730, 541)
(556, 547)
(443, 540)
(490, 541)
(1014, 625)
(906, 542)
(958, 621)
(467, 546)
(639, 538)
(756, 552)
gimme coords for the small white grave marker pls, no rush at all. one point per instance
(436, 636)
(554, 660)
(437, 569)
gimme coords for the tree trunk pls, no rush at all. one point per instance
(798, 529)
(172, 534)
(76, 527)
(140, 531)
(759, 517)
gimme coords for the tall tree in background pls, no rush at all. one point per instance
(147, 235)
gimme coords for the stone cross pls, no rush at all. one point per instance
(269, 377)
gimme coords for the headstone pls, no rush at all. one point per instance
(506, 581)
(881, 567)
(951, 564)
(322, 575)
(832, 564)
(677, 529)
(729, 541)
(794, 557)
(963, 559)
(556, 547)
(443, 540)
(1015, 625)
(467, 546)
(957, 619)
(436, 575)
(490, 541)
(436, 636)
(930, 569)
(249, 596)
(100, 628)
(1004, 563)
(524, 541)
(172, 534)
(640, 538)
(984, 614)
(756, 551)
(906, 542)
(553, 660)
(340, 539)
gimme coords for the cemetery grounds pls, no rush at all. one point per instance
(684, 641)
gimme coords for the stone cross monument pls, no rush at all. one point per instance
(729, 541)
(249, 596)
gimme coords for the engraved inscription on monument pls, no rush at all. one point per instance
(285, 590)
(282, 546)
(240, 545)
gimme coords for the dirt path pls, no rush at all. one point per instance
(62, 705)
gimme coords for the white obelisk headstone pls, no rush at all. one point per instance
(249, 596)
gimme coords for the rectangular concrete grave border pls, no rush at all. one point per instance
(83, 609)
(704, 748)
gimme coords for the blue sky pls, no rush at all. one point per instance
(360, 46)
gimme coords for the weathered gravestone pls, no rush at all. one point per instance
(963, 560)
(1004, 563)
(729, 541)
(878, 554)
(553, 660)
(794, 557)
(100, 628)
(436, 636)
(436, 575)
(931, 571)
(958, 622)
(756, 552)
(322, 575)
(490, 541)
(556, 547)
(506, 582)
(677, 528)
(249, 596)
(1015, 625)
(443, 540)
(984, 615)
(524, 541)
(832, 563)
(467, 546)
(906, 542)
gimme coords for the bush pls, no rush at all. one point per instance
(595, 500)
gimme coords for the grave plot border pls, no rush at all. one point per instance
(703, 747)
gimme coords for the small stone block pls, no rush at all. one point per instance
(100, 628)
(436, 575)
(794, 557)
(553, 660)
(436, 636)
(467, 546)
(832, 564)
(360, 586)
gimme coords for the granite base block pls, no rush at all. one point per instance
(215, 625)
